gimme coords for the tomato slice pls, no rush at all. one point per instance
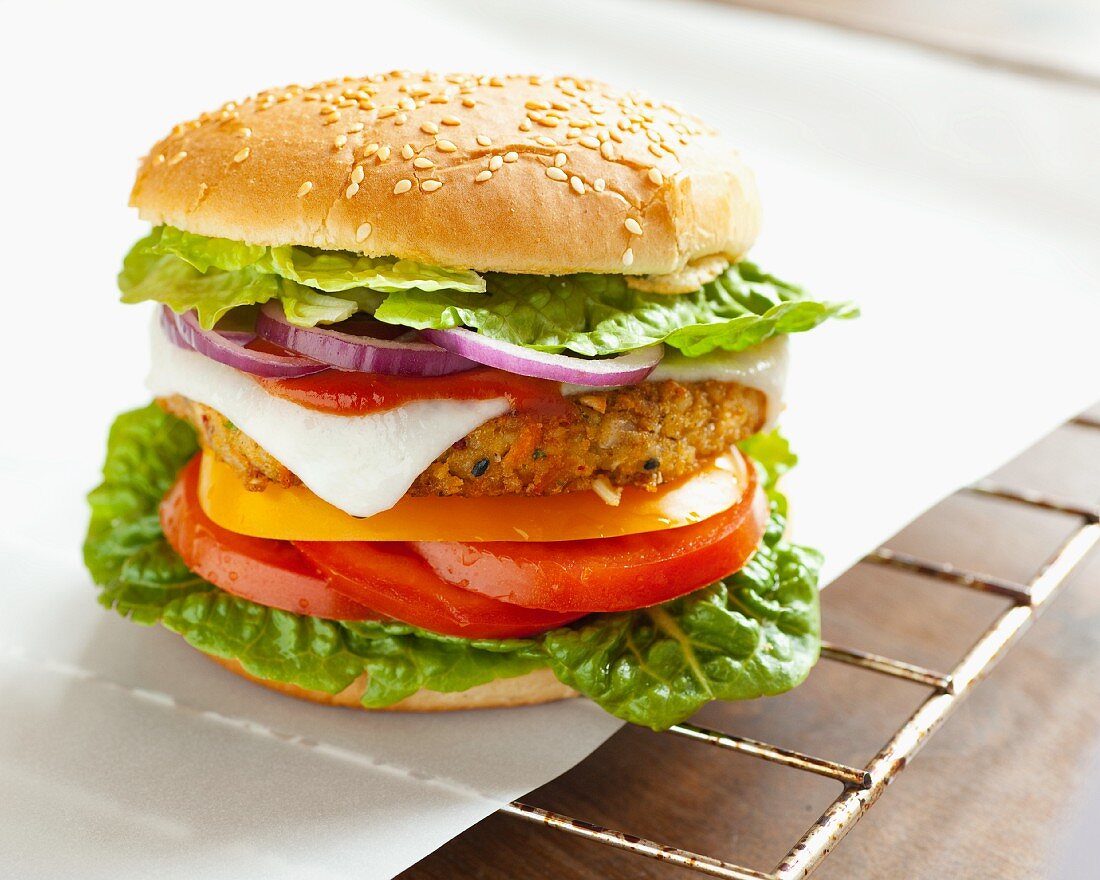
(499, 589)
(390, 577)
(605, 574)
(268, 572)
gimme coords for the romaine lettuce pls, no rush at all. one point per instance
(213, 275)
(585, 314)
(595, 315)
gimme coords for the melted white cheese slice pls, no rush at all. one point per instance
(360, 464)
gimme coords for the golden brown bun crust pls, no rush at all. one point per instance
(573, 171)
(535, 687)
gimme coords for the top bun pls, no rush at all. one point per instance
(521, 174)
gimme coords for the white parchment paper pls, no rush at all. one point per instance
(958, 206)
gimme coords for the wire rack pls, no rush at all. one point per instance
(863, 786)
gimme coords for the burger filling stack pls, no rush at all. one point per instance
(464, 395)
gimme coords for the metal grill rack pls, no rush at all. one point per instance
(863, 786)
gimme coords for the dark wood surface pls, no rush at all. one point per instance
(997, 791)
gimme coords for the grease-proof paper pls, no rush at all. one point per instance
(958, 206)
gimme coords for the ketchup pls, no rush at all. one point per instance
(348, 393)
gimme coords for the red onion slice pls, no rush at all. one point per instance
(624, 369)
(367, 350)
(184, 330)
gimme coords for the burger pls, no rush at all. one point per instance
(464, 396)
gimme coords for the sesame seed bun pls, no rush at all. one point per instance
(535, 687)
(513, 174)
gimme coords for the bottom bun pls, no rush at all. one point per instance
(535, 687)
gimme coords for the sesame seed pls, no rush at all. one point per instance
(555, 173)
(401, 119)
(628, 257)
(423, 162)
(445, 146)
(484, 140)
(363, 232)
(547, 121)
(656, 150)
(332, 117)
(355, 129)
(511, 156)
(241, 154)
(340, 141)
(546, 141)
(560, 159)
(524, 125)
(407, 151)
(590, 142)
(615, 136)
(179, 157)
(383, 153)
(386, 112)
(305, 188)
(352, 189)
(607, 151)
(599, 184)
(357, 174)
(369, 150)
(655, 176)
(431, 185)
(482, 176)
(632, 226)
(402, 186)
(577, 184)
(537, 105)
(495, 162)
(429, 128)
(246, 132)
(451, 120)
(469, 102)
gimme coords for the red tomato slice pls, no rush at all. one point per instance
(267, 572)
(605, 574)
(390, 577)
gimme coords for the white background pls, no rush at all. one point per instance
(959, 207)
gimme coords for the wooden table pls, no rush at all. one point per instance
(996, 793)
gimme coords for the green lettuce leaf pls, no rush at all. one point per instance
(331, 271)
(596, 315)
(212, 293)
(125, 550)
(328, 655)
(589, 315)
(213, 275)
(754, 634)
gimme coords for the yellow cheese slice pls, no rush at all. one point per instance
(296, 514)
